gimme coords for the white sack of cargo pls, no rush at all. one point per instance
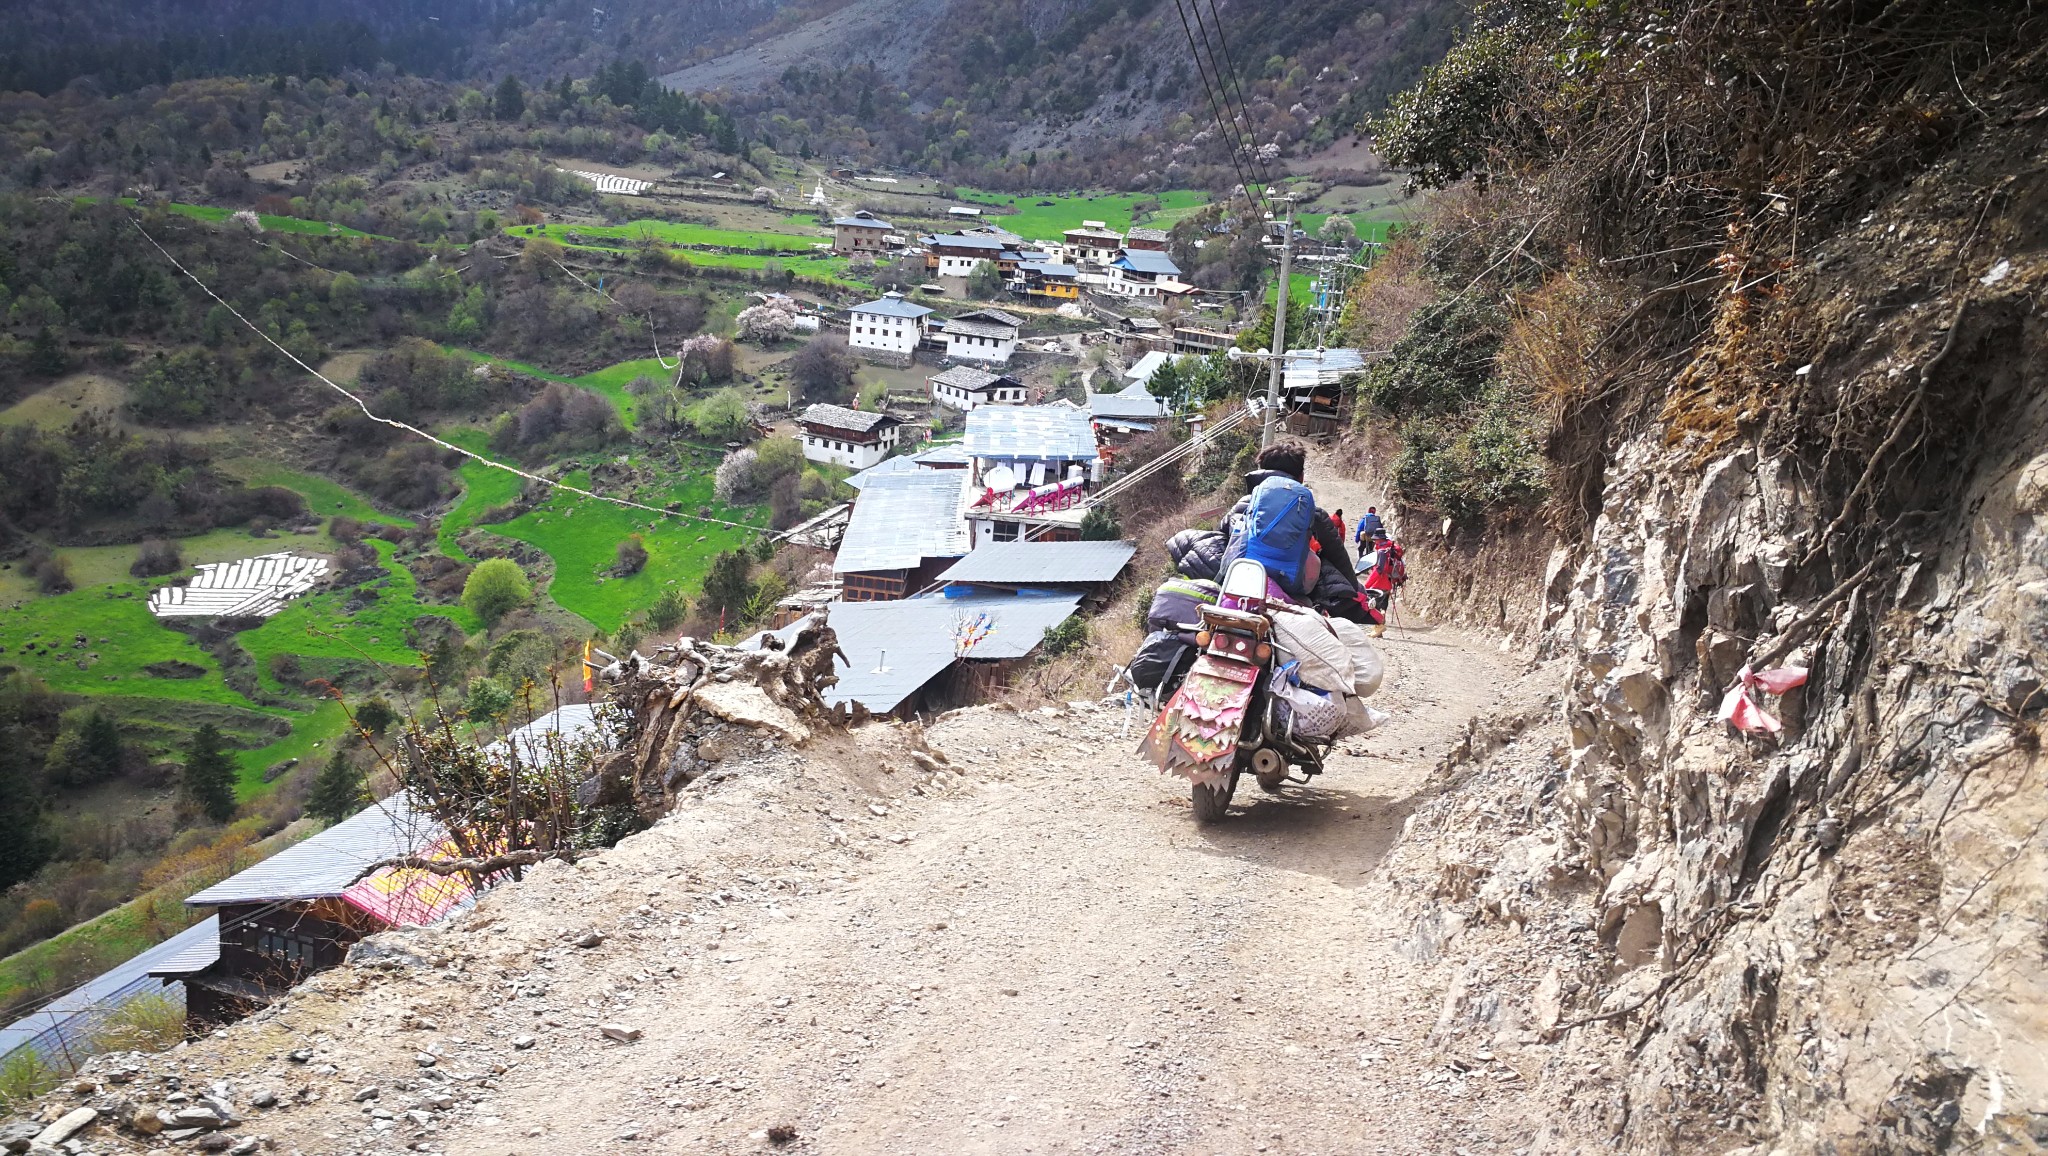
(1306, 638)
(1368, 671)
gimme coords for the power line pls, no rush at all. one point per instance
(414, 430)
(1227, 128)
(1223, 81)
(1230, 79)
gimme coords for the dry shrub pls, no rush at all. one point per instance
(149, 1023)
(1380, 305)
(1552, 333)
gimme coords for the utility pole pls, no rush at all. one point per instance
(1279, 354)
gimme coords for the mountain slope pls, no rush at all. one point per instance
(985, 89)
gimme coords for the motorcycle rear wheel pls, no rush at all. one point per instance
(1211, 804)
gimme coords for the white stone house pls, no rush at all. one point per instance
(965, 388)
(1142, 273)
(889, 327)
(847, 437)
(987, 336)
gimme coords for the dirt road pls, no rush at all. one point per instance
(1036, 952)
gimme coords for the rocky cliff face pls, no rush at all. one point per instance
(1833, 938)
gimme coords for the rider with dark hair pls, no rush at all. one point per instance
(1336, 588)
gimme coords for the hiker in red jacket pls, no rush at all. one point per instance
(1381, 572)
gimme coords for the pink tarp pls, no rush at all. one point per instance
(408, 896)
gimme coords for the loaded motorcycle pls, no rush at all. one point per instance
(1236, 710)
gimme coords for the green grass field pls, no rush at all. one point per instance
(323, 496)
(271, 223)
(310, 732)
(1048, 222)
(125, 635)
(318, 626)
(483, 488)
(582, 536)
(678, 234)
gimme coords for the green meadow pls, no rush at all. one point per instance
(1028, 218)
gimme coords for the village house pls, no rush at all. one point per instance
(862, 232)
(1155, 240)
(1085, 568)
(887, 330)
(1141, 337)
(1119, 416)
(1092, 244)
(298, 911)
(1049, 279)
(1196, 340)
(988, 336)
(1141, 273)
(847, 437)
(959, 254)
(966, 388)
(905, 531)
(1032, 469)
(934, 652)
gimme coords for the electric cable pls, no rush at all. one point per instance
(414, 430)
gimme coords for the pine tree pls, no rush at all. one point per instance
(45, 355)
(25, 842)
(209, 779)
(338, 792)
(101, 740)
(511, 99)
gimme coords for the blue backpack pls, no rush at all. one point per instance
(1277, 528)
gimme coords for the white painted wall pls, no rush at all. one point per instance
(874, 331)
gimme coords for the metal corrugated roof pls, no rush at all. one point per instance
(1148, 235)
(324, 865)
(1124, 405)
(946, 455)
(1307, 368)
(864, 221)
(59, 1022)
(1146, 366)
(840, 417)
(891, 305)
(962, 241)
(574, 723)
(902, 519)
(966, 328)
(860, 480)
(1030, 431)
(1050, 269)
(1033, 563)
(893, 648)
(187, 952)
(1148, 261)
(995, 315)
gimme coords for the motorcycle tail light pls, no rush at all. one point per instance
(1264, 652)
(1202, 639)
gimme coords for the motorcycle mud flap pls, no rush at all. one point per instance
(1196, 735)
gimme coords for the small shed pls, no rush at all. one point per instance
(906, 529)
(935, 651)
(1068, 567)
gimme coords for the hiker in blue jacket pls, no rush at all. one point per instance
(1369, 528)
(1328, 583)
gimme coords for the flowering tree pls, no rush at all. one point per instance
(766, 323)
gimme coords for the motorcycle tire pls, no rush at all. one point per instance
(1212, 803)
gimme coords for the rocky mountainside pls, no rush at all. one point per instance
(1021, 90)
(1816, 451)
